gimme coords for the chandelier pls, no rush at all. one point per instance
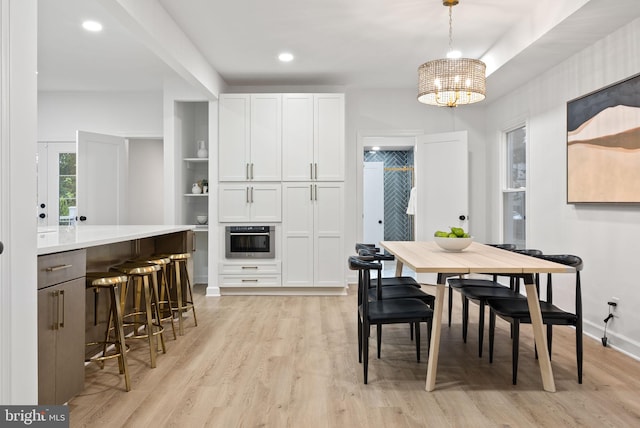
(451, 81)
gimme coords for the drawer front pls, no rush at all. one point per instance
(250, 281)
(250, 268)
(61, 267)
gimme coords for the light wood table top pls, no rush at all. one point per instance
(428, 257)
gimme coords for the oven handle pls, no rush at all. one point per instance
(250, 234)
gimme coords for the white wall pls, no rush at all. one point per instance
(146, 182)
(605, 236)
(126, 114)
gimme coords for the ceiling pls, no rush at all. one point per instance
(354, 43)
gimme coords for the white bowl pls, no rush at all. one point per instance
(453, 244)
(202, 219)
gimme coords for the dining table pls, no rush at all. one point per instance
(428, 257)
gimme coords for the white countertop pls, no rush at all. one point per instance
(54, 239)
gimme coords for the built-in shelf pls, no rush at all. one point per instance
(196, 194)
(201, 228)
(196, 159)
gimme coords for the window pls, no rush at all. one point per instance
(514, 191)
(67, 188)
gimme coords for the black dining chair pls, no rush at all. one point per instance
(481, 290)
(372, 250)
(379, 312)
(516, 312)
(398, 290)
(459, 282)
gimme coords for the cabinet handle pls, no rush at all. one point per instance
(311, 171)
(315, 188)
(251, 194)
(246, 173)
(62, 295)
(252, 170)
(247, 194)
(249, 267)
(57, 268)
(311, 192)
(249, 280)
(54, 295)
(316, 174)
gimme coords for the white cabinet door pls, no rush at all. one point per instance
(234, 204)
(313, 137)
(329, 137)
(250, 137)
(297, 234)
(234, 134)
(297, 137)
(266, 137)
(312, 237)
(328, 234)
(266, 202)
(250, 202)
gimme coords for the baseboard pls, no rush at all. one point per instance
(615, 341)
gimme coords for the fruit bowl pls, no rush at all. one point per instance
(453, 244)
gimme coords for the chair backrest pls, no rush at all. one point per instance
(568, 260)
(364, 278)
(371, 247)
(529, 252)
(509, 247)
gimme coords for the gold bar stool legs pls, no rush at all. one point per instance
(178, 269)
(139, 274)
(165, 307)
(110, 281)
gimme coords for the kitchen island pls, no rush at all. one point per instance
(69, 315)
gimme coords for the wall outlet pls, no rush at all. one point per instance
(615, 300)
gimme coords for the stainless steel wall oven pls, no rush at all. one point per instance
(250, 242)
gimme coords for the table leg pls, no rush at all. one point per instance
(434, 347)
(399, 266)
(539, 333)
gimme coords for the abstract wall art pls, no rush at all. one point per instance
(603, 145)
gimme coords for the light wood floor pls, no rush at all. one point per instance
(292, 362)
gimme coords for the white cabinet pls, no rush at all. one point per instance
(250, 201)
(313, 137)
(312, 234)
(250, 137)
(250, 274)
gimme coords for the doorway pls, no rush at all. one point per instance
(392, 192)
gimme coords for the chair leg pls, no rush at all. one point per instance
(450, 303)
(481, 328)
(515, 349)
(359, 339)
(379, 337)
(579, 350)
(465, 317)
(365, 350)
(549, 338)
(492, 333)
(418, 340)
(429, 325)
(411, 331)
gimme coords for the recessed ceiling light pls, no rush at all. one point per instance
(93, 26)
(376, 148)
(285, 57)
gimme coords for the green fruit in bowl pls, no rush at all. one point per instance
(441, 234)
(456, 232)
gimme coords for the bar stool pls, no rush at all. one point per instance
(139, 274)
(164, 299)
(110, 281)
(177, 272)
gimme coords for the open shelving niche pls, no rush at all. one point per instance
(192, 126)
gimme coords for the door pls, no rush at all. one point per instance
(297, 137)
(56, 183)
(442, 183)
(328, 130)
(373, 203)
(266, 137)
(233, 146)
(102, 178)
